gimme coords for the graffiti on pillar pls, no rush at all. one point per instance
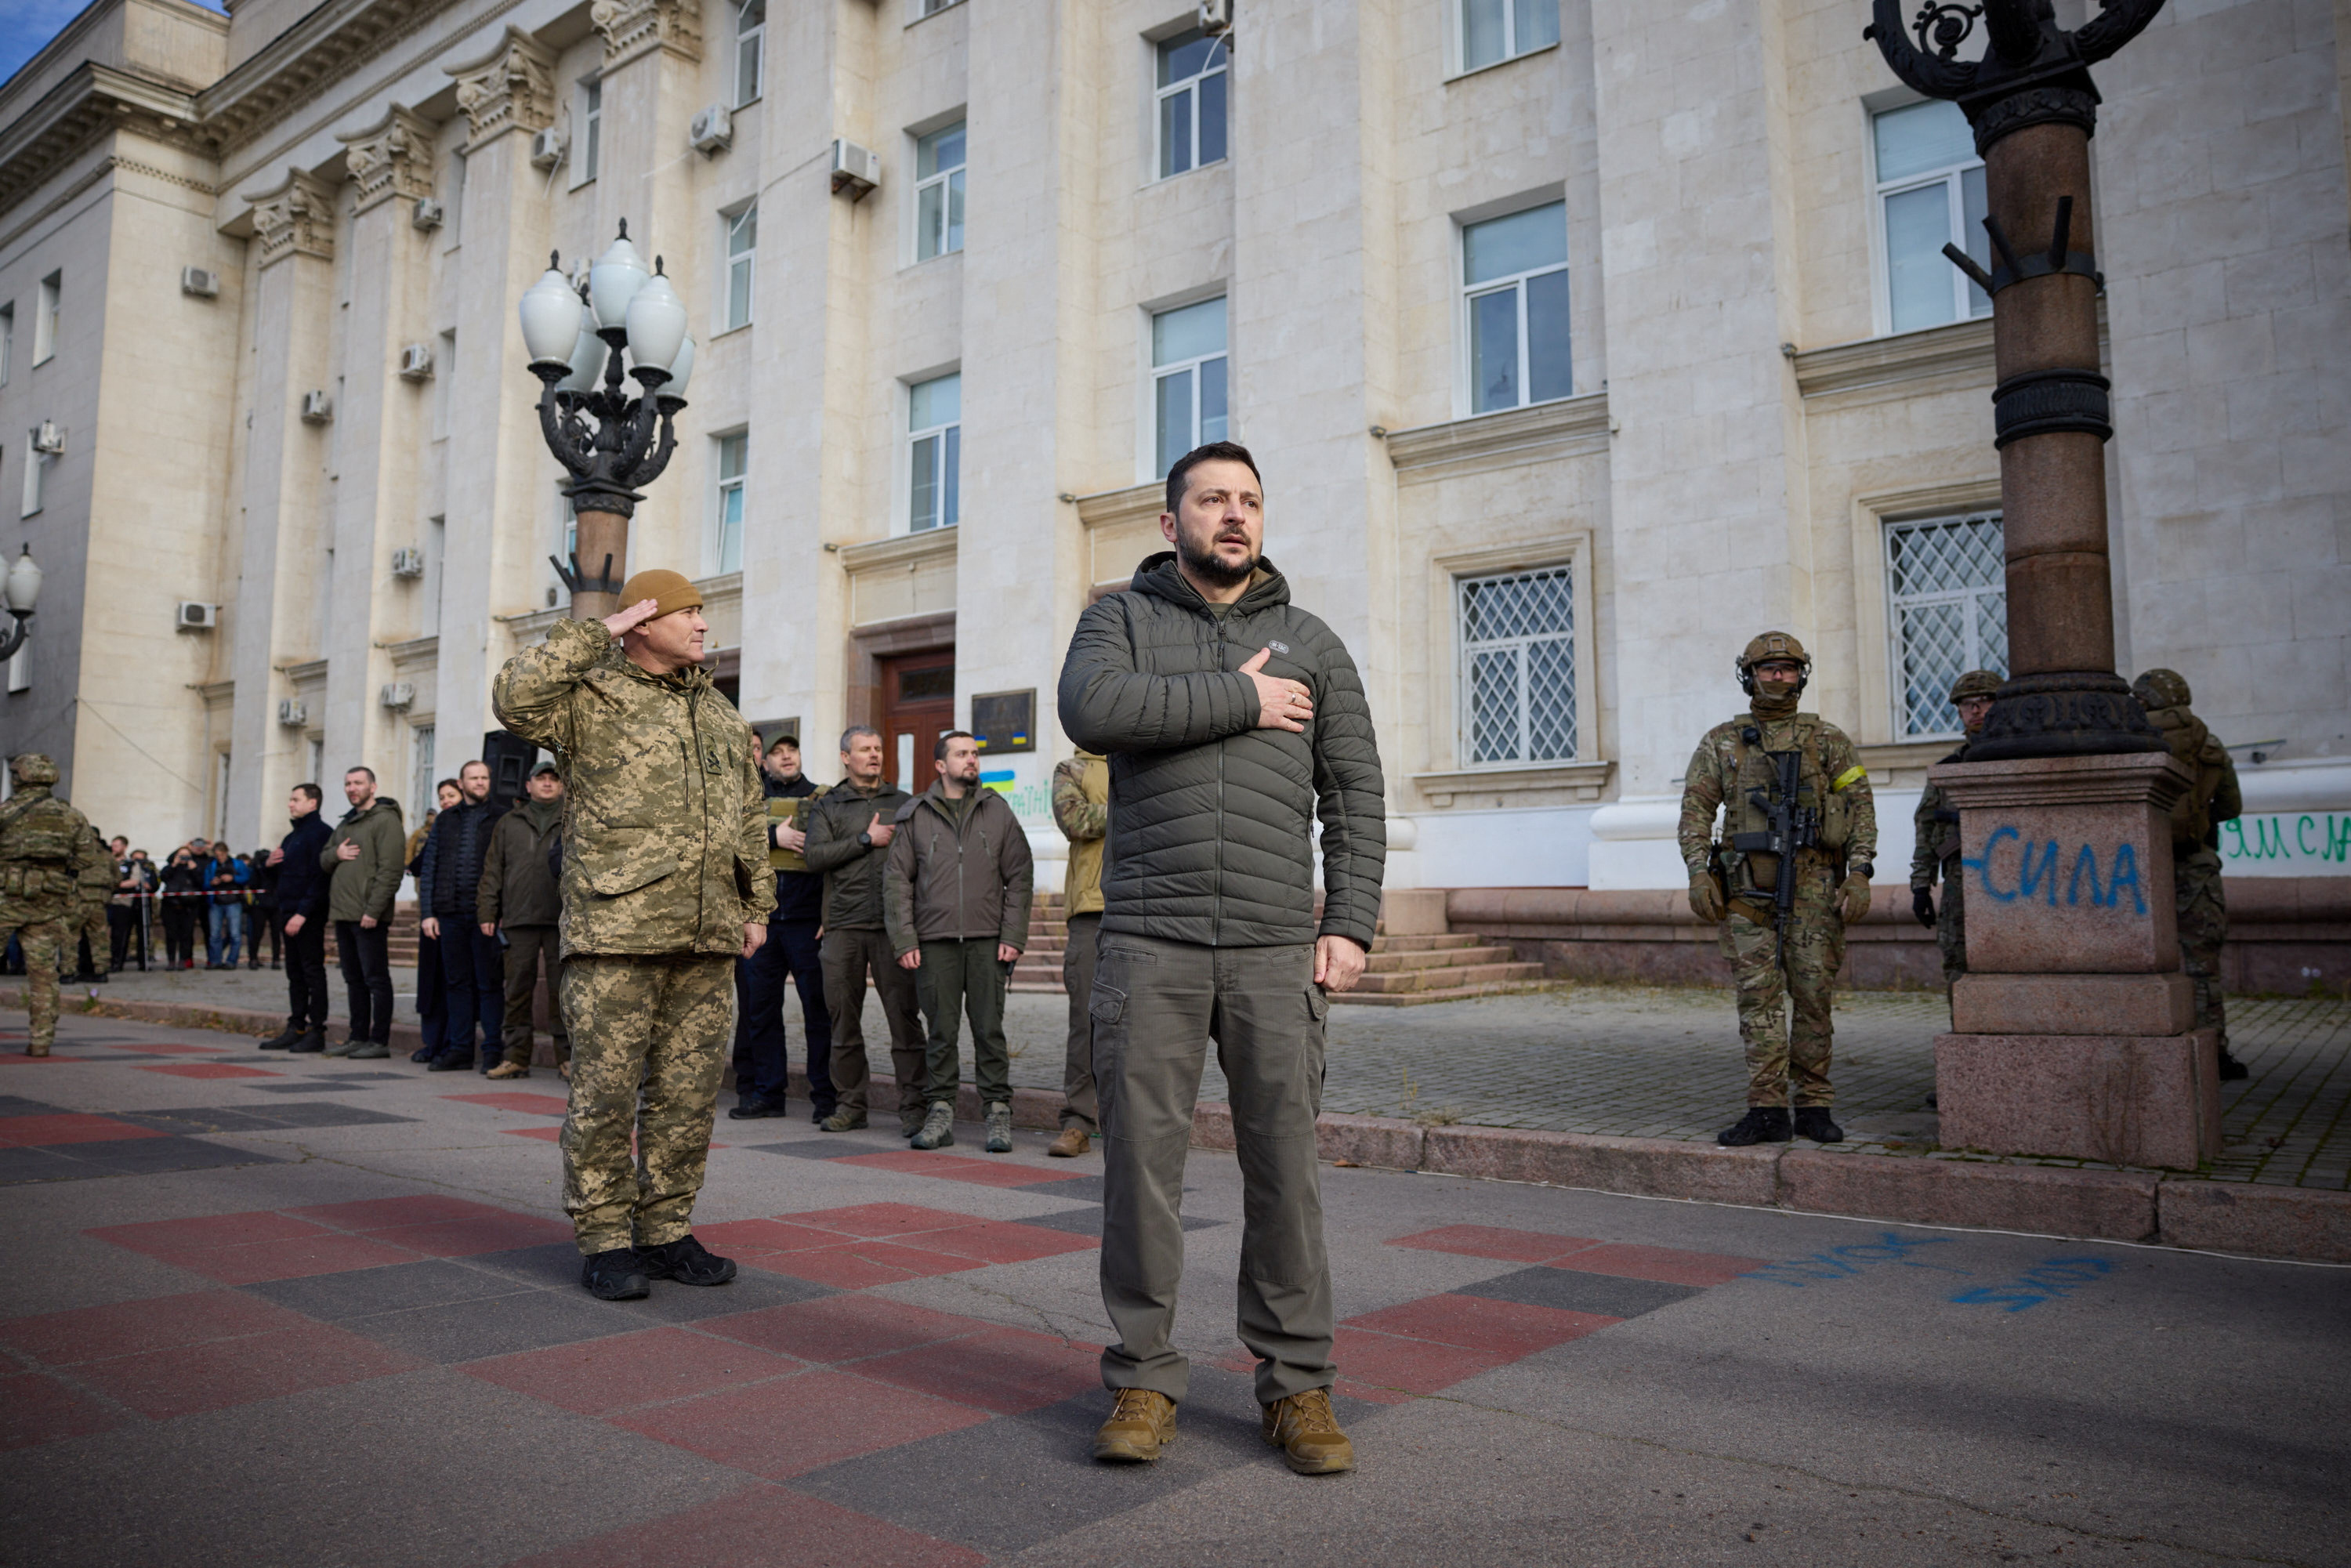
(2046, 871)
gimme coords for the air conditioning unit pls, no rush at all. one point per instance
(398, 694)
(408, 562)
(194, 617)
(291, 713)
(1215, 16)
(547, 148)
(317, 408)
(416, 362)
(856, 169)
(199, 283)
(48, 440)
(713, 131)
(426, 214)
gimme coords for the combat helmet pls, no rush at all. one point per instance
(1773, 645)
(2160, 689)
(33, 768)
(1975, 684)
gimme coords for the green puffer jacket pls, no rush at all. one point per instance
(852, 870)
(359, 888)
(664, 823)
(1211, 816)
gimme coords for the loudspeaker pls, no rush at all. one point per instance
(509, 756)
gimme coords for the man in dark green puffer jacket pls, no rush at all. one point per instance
(1230, 718)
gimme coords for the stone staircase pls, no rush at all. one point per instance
(1403, 971)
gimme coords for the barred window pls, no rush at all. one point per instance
(1517, 666)
(1946, 603)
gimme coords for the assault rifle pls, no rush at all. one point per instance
(1789, 827)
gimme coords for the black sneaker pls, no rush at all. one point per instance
(1812, 1121)
(688, 1261)
(283, 1037)
(1761, 1124)
(617, 1275)
(756, 1109)
(450, 1062)
(310, 1042)
(422, 1054)
(2232, 1068)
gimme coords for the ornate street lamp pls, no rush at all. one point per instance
(2034, 108)
(576, 337)
(19, 592)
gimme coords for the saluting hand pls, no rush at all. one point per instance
(622, 621)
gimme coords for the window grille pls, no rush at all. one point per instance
(1947, 602)
(1517, 666)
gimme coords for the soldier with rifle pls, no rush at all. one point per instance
(1789, 872)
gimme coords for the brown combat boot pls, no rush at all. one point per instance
(1308, 1434)
(1072, 1143)
(509, 1070)
(1141, 1424)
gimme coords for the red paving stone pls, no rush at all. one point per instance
(859, 1265)
(206, 1070)
(264, 1261)
(518, 1099)
(1005, 1370)
(1491, 1242)
(130, 1328)
(794, 1424)
(879, 1219)
(1513, 1329)
(1415, 1365)
(1000, 1241)
(18, 1058)
(763, 1236)
(841, 1328)
(66, 1127)
(187, 1379)
(385, 1213)
(632, 1369)
(545, 1134)
(763, 1527)
(469, 1238)
(1666, 1265)
(953, 1167)
(42, 1410)
(209, 1231)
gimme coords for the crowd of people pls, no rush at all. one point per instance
(202, 889)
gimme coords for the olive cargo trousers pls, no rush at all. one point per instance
(1155, 1006)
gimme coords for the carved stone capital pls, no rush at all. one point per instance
(391, 158)
(512, 87)
(634, 27)
(296, 217)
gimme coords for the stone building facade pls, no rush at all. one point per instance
(1578, 339)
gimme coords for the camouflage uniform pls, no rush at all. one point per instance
(45, 852)
(2213, 799)
(95, 883)
(1936, 839)
(665, 863)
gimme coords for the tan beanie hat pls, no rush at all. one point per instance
(668, 590)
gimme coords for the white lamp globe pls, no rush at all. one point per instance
(24, 585)
(656, 325)
(614, 280)
(681, 369)
(586, 362)
(550, 319)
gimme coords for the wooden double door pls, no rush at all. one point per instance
(915, 706)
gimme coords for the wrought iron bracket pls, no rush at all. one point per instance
(14, 637)
(2012, 269)
(603, 583)
(2034, 72)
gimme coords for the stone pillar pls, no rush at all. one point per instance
(284, 493)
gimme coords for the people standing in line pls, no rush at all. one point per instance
(2212, 799)
(363, 856)
(1081, 810)
(1780, 957)
(45, 849)
(519, 904)
(472, 971)
(301, 885)
(432, 990)
(1935, 837)
(762, 1051)
(1229, 716)
(954, 902)
(848, 845)
(666, 885)
(225, 880)
(127, 911)
(182, 897)
(95, 888)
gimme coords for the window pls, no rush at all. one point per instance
(8, 340)
(726, 530)
(1517, 666)
(1187, 380)
(591, 125)
(750, 47)
(419, 771)
(935, 427)
(1931, 192)
(36, 465)
(1191, 101)
(1946, 606)
(1497, 30)
(315, 756)
(45, 318)
(223, 770)
(938, 192)
(742, 258)
(1514, 281)
(932, 7)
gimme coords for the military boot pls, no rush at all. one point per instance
(2232, 1068)
(1141, 1424)
(1306, 1431)
(1761, 1124)
(615, 1275)
(999, 1129)
(688, 1261)
(844, 1122)
(1072, 1143)
(309, 1042)
(938, 1127)
(1813, 1122)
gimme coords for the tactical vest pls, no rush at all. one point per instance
(795, 809)
(38, 836)
(1755, 770)
(2190, 741)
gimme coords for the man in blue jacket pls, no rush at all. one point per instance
(302, 902)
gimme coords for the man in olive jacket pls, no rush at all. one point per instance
(1229, 717)
(363, 857)
(848, 835)
(518, 900)
(956, 899)
(664, 885)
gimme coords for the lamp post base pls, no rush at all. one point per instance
(2071, 713)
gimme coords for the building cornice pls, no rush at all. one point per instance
(295, 217)
(907, 550)
(1579, 780)
(71, 116)
(634, 28)
(1959, 353)
(512, 87)
(393, 157)
(325, 45)
(1569, 428)
(1108, 508)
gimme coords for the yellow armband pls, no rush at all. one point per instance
(1847, 778)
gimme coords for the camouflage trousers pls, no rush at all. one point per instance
(43, 936)
(649, 1039)
(2203, 918)
(1781, 1055)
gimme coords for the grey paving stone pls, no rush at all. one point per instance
(16, 1105)
(1605, 1295)
(325, 1113)
(138, 1157)
(396, 1287)
(333, 1086)
(18, 1166)
(522, 1320)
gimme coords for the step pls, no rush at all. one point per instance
(1448, 979)
(1444, 958)
(1446, 994)
(1385, 944)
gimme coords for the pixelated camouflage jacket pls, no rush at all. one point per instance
(1935, 830)
(664, 822)
(46, 848)
(1081, 810)
(1831, 773)
(2214, 798)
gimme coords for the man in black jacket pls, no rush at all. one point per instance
(302, 902)
(1229, 717)
(520, 903)
(471, 964)
(762, 1053)
(848, 845)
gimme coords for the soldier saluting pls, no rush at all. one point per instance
(1790, 872)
